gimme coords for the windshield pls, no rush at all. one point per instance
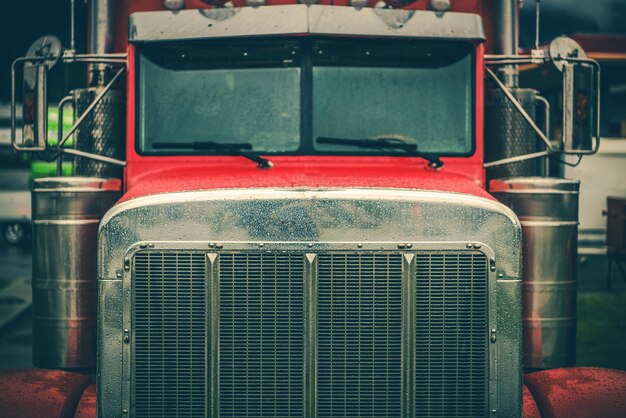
(281, 95)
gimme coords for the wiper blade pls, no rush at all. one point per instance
(236, 148)
(382, 143)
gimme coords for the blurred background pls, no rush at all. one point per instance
(599, 26)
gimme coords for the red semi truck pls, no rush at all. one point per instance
(282, 210)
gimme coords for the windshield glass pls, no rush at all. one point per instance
(279, 96)
(227, 93)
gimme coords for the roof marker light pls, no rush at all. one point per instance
(174, 4)
(440, 5)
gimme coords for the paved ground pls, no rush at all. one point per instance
(16, 338)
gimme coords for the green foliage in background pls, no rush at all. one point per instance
(601, 331)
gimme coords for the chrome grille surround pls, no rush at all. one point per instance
(198, 222)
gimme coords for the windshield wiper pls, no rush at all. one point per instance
(389, 143)
(238, 149)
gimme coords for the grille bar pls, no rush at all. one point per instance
(451, 335)
(261, 335)
(169, 335)
(359, 335)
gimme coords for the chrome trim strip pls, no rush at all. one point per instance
(302, 19)
(310, 335)
(213, 340)
(408, 335)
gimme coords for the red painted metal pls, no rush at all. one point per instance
(295, 172)
(87, 406)
(151, 174)
(39, 393)
(581, 392)
(529, 406)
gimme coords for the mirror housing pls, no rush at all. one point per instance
(35, 105)
(580, 112)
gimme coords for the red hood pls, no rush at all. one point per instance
(298, 172)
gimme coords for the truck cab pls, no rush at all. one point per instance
(281, 210)
(305, 230)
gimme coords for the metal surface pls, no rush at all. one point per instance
(508, 134)
(579, 115)
(563, 48)
(505, 42)
(548, 211)
(66, 213)
(579, 392)
(359, 351)
(302, 19)
(360, 298)
(451, 321)
(170, 334)
(100, 132)
(311, 223)
(101, 38)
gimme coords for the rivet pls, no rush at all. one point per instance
(211, 244)
(143, 245)
(401, 246)
(150, 245)
(409, 245)
(124, 411)
(119, 275)
(500, 275)
(219, 246)
(261, 245)
(359, 245)
(493, 411)
(310, 244)
(477, 246)
(469, 245)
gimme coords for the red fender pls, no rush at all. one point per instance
(39, 393)
(529, 406)
(580, 392)
(87, 406)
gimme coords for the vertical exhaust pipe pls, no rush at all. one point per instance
(100, 39)
(506, 37)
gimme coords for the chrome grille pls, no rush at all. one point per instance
(359, 335)
(169, 361)
(451, 335)
(262, 329)
(261, 335)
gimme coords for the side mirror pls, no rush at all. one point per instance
(35, 105)
(43, 54)
(581, 92)
(579, 108)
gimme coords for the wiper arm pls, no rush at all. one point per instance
(237, 149)
(382, 143)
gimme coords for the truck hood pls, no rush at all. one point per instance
(301, 172)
